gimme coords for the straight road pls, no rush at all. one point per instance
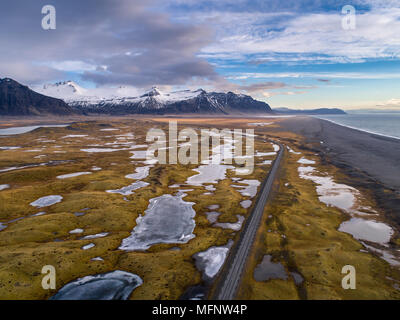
(235, 263)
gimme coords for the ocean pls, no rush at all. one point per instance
(387, 124)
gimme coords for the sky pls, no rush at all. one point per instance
(292, 53)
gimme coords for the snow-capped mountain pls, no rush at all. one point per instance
(18, 100)
(128, 100)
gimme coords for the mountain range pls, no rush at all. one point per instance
(125, 100)
(319, 111)
(67, 97)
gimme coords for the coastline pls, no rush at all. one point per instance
(359, 129)
(370, 161)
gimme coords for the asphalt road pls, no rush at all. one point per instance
(233, 269)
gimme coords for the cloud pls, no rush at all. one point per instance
(390, 104)
(261, 86)
(305, 37)
(108, 42)
(322, 75)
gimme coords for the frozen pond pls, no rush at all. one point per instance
(212, 216)
(95, 236)
(330, 192)
(75, 136)
(4, 186)
(276, 147)
(115, 285)
(88, 246)
(99, 150)
(265, 162)
(128, 190)
(20, 130)
(46, 201)
(210, 173)
(245, 204)
(265, 154)
(168, 219)
(292, 151)
(109, 129)
(234, 226)
(139, 154)
(267, 270)
(305, 161)
(209, 262)
(250, 190)
(345, 198)
(368, 230)
(72, 175)
(141, 173)
(76, 231)
(9, 148)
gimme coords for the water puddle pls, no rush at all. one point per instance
(168, 219)
(9, 148)
(76, 231)
(72, 175)
(250, 190)
(20, 130)
(210, 262)
(268, 270)
(46, 201)
(95, 236)
(246, 204)
(369, 230)
(344, 197)
(305, 161)
(210, 173)
(212, 216)
(128, 190)
(234, 226)
(115, 285)
(141, 173)
(88, 246)
(4, 186)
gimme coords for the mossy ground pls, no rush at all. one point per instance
(311, 245)
(32, 242)
(301, 233)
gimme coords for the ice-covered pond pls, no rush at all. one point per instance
(128, 190)
(46, 201)
(20, 130)
(141, 173)
(4, 186)
(115, 285)
(369, 230)
(210, 262)
(73, 175)
(361, 225)
(168, 219)
(210, 173)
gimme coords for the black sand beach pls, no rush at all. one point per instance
(371, 161)
(378, 156)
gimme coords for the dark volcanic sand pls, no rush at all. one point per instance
(371, 161)
(376, 155)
